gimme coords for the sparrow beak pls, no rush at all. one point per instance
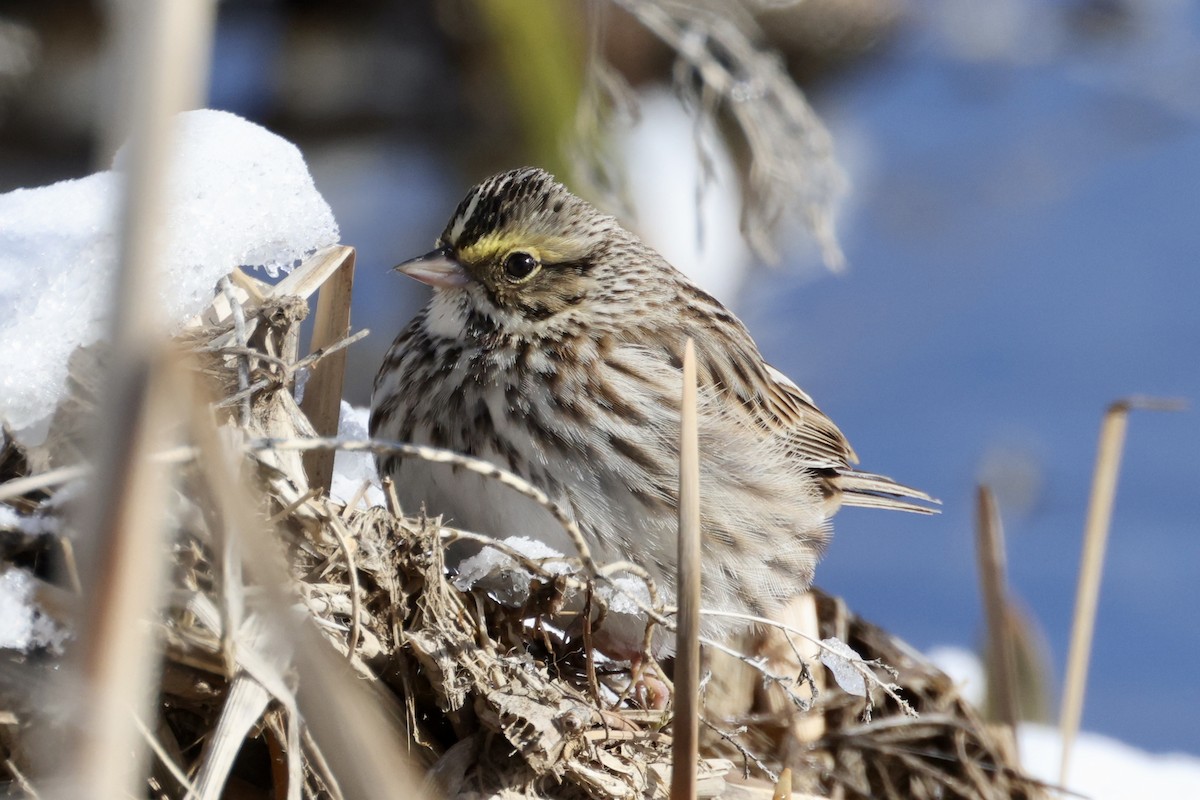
(436, 268)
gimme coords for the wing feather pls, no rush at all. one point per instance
(773, 403)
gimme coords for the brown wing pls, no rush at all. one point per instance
(819, 440)
(772, 404)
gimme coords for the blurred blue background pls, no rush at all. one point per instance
(1022, 227)
(1023, 238)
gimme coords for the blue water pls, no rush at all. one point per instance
(1024, 251)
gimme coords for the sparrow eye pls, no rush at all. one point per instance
(520, 266)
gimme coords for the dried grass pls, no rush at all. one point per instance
(724, 73)
(393, 682)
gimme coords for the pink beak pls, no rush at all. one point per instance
(436, 268)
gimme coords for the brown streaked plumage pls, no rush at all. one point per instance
(551, 347)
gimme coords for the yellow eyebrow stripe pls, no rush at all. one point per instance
(546, 249)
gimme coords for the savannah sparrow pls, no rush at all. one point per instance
(552, 348)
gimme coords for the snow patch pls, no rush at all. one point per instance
(352, 470)
(22, 625)
(238, 195)
(502, 577)
(964, 668)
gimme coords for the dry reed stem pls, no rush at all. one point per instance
(343, 539)
(323, 392)
(166, 759)
(1001, 661)
(685, 727)
(21, 781)
(318, 268)
(783, 786)
(1095, 540)
(255, 289)
(245, 702)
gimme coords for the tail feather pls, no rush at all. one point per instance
(867, 490)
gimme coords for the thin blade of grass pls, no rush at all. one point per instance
(686, 725)
(1095, 540)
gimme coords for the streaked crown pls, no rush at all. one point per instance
(524, 207)
(527, 243)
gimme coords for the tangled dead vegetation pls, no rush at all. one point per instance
(468, 693)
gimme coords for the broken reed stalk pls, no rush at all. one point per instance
(121, 522)
(685, 748)
(323, 392)
(1095, 539)
(783, 786)
(1001, 660)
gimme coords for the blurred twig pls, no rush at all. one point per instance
(723, 67)
(540, 46)
(121, 522)
(1001, 661)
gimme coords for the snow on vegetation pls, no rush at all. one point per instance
(238, 196)
(22, 625)
(351, 471)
